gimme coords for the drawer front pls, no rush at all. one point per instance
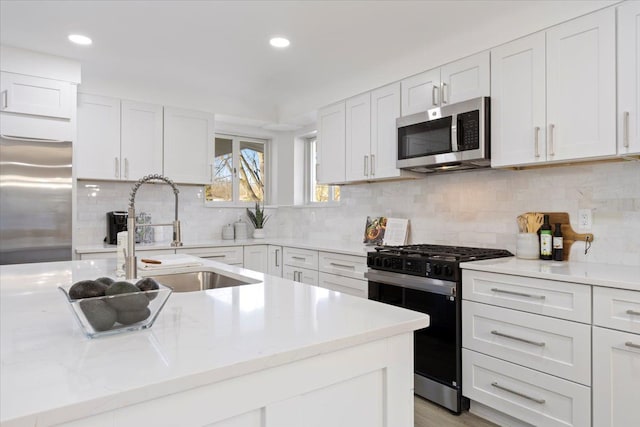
(346, 285)
(302, 275)
(343, 265)
(554, 346)
(525, 394)
(616, 309)
(225, 254)
(301, 258)
(564, 300)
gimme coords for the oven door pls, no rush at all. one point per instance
(435, 355)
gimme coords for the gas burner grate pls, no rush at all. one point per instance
(452, 253)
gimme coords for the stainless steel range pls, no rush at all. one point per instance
(428, 279)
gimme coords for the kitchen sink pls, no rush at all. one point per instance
(200, 280)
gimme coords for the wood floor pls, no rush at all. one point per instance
(427, 414)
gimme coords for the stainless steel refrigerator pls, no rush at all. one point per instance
(35, 200)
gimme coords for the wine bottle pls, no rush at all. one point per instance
(558, 247)
(545, 239)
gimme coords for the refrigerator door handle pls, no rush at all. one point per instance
(20, 138)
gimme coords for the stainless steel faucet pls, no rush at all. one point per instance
(131, 263)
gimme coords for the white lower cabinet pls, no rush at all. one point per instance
(274, 260)
(342, 284)
(300, 274)
(255, 258)
(525, 394)
(616, 376)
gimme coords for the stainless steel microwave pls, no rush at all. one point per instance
(451, 137)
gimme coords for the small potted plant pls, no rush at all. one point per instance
(258, 219)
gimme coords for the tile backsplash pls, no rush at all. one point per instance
(477, 208)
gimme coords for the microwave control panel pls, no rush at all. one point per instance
(469, 130)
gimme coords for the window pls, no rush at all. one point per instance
(317, 193)
(239, 170)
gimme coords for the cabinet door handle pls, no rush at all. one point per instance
(373, 164)
(126, 168)
(633, 312)
(117, 168)
(217, 256)
(520, 294)
(625, 129)
(536, 132)
(434, 95)
(277, 263)
(5, 99)
(299, 258)
(524, 340)
(632, 345)
(444, 93)
(517, 393)
(350, 267)
(552, 128)
(366, 165)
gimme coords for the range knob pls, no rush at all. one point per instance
(448, 271)
(386, 262)
(437, 269)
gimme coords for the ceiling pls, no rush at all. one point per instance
(215, 55)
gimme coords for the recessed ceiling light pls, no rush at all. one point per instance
(80, 39)
(279, 42)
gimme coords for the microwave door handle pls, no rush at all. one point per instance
(454, 133)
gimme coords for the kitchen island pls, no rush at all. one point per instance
(275, 353)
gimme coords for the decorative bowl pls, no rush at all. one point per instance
(113, 314)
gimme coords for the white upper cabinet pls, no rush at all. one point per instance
(331, 144)
(518, 102)
(385, 109)
(457, 81)
(141, 140)
(358, 137)
(35, 95)
(118, 140)
(576, 62)
(629, 78)
(98, 148)
(188, 146)
(581, 87)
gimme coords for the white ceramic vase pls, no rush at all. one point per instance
(258, 233)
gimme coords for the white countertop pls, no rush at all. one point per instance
(335, 246)
(52, 373)
(608, 275)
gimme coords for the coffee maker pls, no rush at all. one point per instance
(116, 222)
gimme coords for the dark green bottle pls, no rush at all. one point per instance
(558, 247)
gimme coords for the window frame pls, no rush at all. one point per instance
(310, 174)
(235, 181)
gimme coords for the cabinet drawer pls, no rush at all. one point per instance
(346, 285)
(299, 274)
(301, 258)
(35, 95)
(569, 301)
(554, 346)
(616, 309)
(343, 265)
(539, 399)
(225, 254)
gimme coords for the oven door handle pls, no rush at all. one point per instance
(418, 283)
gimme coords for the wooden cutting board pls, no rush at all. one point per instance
(569, 236)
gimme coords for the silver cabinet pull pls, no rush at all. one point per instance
(373, 164)
(625, 129)
(277, 263)
(520, 294)
(551, 132)
(5, 99)
(517, 393)
(524, 340)
(299, 258)
(126, 168)
(444, 94)
(633, 312)
(536, 133)
(434, 90)
(117, 168)
(366, 165)
(335, 264)
(217, 256)
(632, 345)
